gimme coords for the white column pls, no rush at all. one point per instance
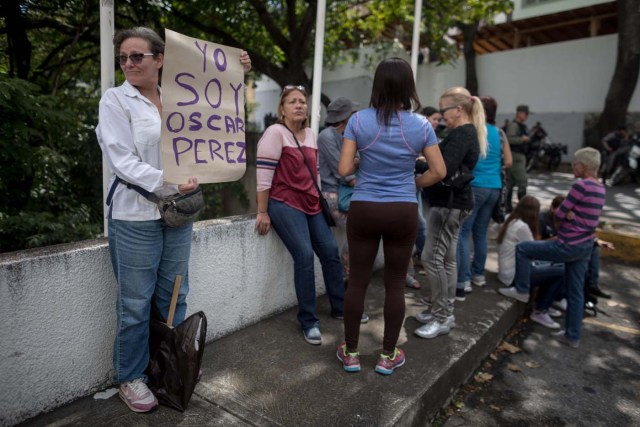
(107, 75)
(415, 42)
(317, 66)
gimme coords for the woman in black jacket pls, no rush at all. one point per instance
(450, 202)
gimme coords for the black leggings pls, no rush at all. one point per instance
(397, 224)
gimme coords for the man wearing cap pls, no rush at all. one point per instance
(329, 149)
(519, 142)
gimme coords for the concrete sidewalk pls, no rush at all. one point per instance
(267, 374)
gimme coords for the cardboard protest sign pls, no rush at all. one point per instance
(203, 93)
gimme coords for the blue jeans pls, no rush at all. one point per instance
(593, 273)
(484, 200)
(439, 258)
(576, 261)
(146, 257)
(550, 279)
(303, 235)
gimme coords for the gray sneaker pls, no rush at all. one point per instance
(435, 328)
(313, 335)
(562, 338)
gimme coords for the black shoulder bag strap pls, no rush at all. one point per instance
(324, 206)
(144, 193)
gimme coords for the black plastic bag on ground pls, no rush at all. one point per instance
(175, 355)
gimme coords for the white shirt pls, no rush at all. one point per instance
(517, 231)
(129, 135)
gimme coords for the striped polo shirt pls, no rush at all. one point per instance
(585, 200)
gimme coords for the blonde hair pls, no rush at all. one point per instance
(285, 92)
(474, 109)
(590, 157)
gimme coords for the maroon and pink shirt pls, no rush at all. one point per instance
(280, 168)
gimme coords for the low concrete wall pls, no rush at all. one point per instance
(58, 308)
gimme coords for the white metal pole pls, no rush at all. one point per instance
(415, 42)
(107, 76)
(317, 67)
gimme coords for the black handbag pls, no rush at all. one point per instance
(326, 210)
(499, 213)
(175, 354)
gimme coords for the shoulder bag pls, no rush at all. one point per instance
(326, 210)
(176, 210)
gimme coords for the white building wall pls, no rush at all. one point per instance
(58, 308)
(560, 82)
(545, 7)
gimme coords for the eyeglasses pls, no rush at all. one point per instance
(445, 109)
(292, 87)
(135, 58)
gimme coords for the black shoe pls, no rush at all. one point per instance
(599, 293)
(461, 295)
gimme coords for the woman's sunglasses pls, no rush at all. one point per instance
(135, 58)
(292, 87)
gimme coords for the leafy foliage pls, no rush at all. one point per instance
(51, 174)
(50, 180)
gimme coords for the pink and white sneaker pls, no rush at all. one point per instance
(137, 396)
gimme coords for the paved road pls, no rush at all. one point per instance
(622, 207)
(547, 384)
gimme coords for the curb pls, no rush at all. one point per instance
(627, 245)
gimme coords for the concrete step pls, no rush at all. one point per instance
(267, 374)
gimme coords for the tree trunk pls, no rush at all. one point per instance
(625, 76)
(19, 44)
(469, 35)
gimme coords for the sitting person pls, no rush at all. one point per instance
(549, 230)
(522, 226)
(578, 218)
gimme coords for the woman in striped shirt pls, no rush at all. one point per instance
(578, 218)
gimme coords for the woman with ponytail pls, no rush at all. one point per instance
(450, 202)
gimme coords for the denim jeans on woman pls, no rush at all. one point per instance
(302, 235)
(576, 261)
(146, 257)
(549, 277)
(484, 200)
(439, 258)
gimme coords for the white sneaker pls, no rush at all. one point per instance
(513, 293)
(435, 328)
(137, 396)
(560, 305)
(478, 281)
(544, 319)
(553, 312)
(467, 287)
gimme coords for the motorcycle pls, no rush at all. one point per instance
(629, 166)
(543, 148)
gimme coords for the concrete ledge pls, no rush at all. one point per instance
(267, 375)
(58, 316)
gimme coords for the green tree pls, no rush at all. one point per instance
(625, 76)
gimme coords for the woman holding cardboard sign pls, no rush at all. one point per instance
(289, 200)
(146, 254)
